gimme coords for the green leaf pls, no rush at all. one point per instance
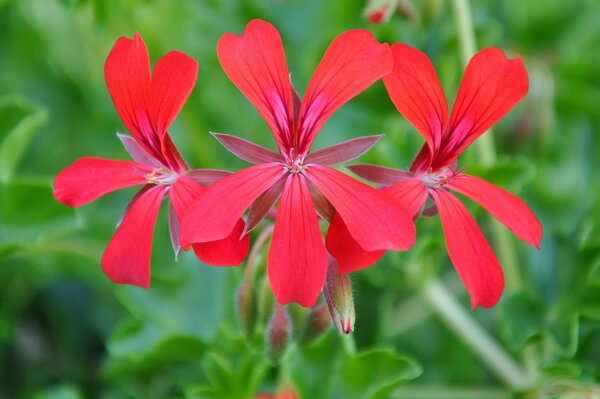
(325, 370)
(18, 123)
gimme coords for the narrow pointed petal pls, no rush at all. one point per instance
(137, 152)
(374, 219)
(90, 178)
(342, 152)
(380, 174)
(469, 251)
(511, 211)
(416, 92)
(174, 231)
(127, 75)
(255, 63)
(491, 86)
(412, 193)
(127, 257)
(172, 82)
(342, 246)
(247, 150)
(228, 251)
(297, 263)
(222, 204)
(207, 177)
(352, 63)
(263, 204)
(322, 204)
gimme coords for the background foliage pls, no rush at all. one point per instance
(67, 332)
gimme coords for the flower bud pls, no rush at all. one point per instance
(279, 330)
(338, 294)
(315, 324)
(246, 307)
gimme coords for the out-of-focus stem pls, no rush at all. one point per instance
(475, 337)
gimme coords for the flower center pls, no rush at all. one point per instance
(439, 178)
(296, 166)
(161, 177)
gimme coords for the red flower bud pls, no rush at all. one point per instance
(338, 294)
(315, 324)
(279, 331)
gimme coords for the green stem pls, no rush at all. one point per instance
(453, 393)
(475, 337)
(349, 344)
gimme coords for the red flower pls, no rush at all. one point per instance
(491, 86)
(147, 105)
(297, 262)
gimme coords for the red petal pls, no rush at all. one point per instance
(127, 257)
(229, 251)
(89, 178)
(342, 152)
(349, 254)
(412, 193)
(470, 253)
(297, 263)
(491, 86)
(344, 248)
(247, 150)
(352, 63)
(506, 207)
(127, 75)
(221, 205)
(380, 174)
(172, 82)
(255, 63)
(373, 218)
(416, 92)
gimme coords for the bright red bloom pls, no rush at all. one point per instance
(147, 104)
(297, 262)
(491, 86)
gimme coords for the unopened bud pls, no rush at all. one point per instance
(246, 307)
(379, 11)
(287, 392)
(338, 294)
(315, 324)
(279, 330)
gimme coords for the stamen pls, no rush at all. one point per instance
(161, 177)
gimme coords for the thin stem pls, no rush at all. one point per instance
(255, 251)
(349, 344)
(475, 337)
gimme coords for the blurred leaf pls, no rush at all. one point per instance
(18, 123)
(325, 370)
(61, 392)
(27, 210)
(173, 320)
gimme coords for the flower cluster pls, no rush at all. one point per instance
(295, 185)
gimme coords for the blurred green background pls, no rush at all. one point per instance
(67, 332)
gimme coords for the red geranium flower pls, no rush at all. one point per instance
(147, 105)
(491, 86)
(297, 262)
